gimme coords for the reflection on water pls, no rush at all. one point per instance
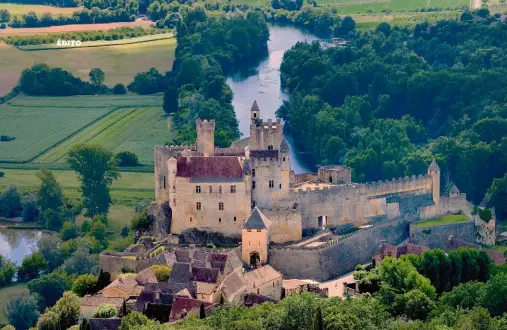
(16, 244)
(264, 86)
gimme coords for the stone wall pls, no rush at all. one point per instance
(339, 257)
(116, 263)
(286, 224)
(436, 236)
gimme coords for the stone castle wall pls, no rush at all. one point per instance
(286, 225)
(339, 257)
(436, 236)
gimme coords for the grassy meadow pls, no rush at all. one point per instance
(120, 63)
(46, 128)
(9, 291)
(445, 220)
(16, 9)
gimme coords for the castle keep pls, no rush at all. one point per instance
(219, 189)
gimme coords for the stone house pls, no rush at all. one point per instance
(123, 286)
(90, 302)
(265, 281)
(184, 306)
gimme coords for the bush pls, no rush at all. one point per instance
(32, 267)
(68, 231)
(30, 209)
(127, 158)
(105, 311)
(2, 26)
(2, 174)
(141, 222)
(162, 272)
(10, 202)
(119, 89)
(85, 284)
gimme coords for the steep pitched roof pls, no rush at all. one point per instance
(284, 145)
(257, 220)
(434, 166)
(181, 272)
(233, 285)
(98, 300)
(201, 274)
(224, 167)
(105, 324)
(255, 107)
(454, 190)
(146, 276)
(261, 276)
(124, 283)
(184, 306)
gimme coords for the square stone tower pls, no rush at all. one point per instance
(205, 137)
(255, 239)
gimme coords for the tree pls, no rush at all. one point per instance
(202, 312)
(53, 219)
(32, 267)
(21, 311)
(103, 280)
(10, 202)
(495, 295)
(417, 305)
(68, 231)
(133, 321)
(67, 308)
(85, 284)
(119, 89)
(127, 158)
(498, 197)
(105, 311)
(81, 262)
(86, 226)
(317, 320)
(96, 168)
(97, 77)
(50, 193)
(7, 271)
(5, 16)
(30, 209)
(171, 100)
(50, 287)
(98, 230)
(48, 320)
(162, 272)
(48, 245)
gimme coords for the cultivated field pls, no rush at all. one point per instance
(377, 6)
(120, 63)
(46, 128)
(16, 9)
(73, 28)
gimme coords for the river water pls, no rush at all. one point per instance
(263, 85)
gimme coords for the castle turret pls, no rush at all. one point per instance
(255, 112)
(434, 172)
(255, 239)
(205, 136)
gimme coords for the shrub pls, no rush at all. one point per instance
(105, 311)
(2, 174)
(85, 284)
(127, 158)
(162, 272)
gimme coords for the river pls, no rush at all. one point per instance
(263, 85)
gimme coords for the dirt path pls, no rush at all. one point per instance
(73, 28)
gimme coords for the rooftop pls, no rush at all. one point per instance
(223, 167)
(262, 275)
(257, 220)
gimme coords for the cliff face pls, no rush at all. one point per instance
(161, 217)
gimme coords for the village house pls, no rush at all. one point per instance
(90, 302)
(265, 281)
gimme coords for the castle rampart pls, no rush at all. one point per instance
(436, 236)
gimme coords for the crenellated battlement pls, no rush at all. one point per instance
(268, 124)
(259, 162)
(205, 125)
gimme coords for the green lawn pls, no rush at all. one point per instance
(5, 294)
(446, 220)
(16, 9)
(46, 128)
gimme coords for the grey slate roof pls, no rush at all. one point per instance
(257, 220)
(284, 145)
(433, 166)
(181, 272)
(255, 107)
(105, 324)
(454, 190)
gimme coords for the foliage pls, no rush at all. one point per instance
(162, 272)
(48, 320)
(148, 82)
(68, 231)
(21, 310)
(97, 170)
(30, 208)
(48, 245)
(41, 79)
(133, 321)
(49, 287)
(141, 222)
(119, 89)
(170, 104)
(498, 196)
(33, 266)
(386, 91)
(81, 262)
(7, 271)
(50, 194)
(5, 16)
(85, 284)
(126, 158)
(67, 309)
(97, 77)
(105, 311)
(10, 202)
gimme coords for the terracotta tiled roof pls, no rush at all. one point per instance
(124, 283)
(204, 288)
(261, 276)
(146, 276)
(209, 167)
(256, 299)
(98, 300)
(105, 324)
(184, 306)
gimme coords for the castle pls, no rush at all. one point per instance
(249, 189)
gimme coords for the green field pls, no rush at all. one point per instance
(120, 63)
(446, 220)
(46, 128)
(16, 9)
(9, 292)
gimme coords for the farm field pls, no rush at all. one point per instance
(363, 7)
(73, 28)
(120, 63)
(16, 9)
(46, 128)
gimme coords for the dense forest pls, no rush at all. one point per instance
(208, 49)
(393, 99)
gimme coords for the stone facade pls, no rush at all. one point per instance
(436, 236)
